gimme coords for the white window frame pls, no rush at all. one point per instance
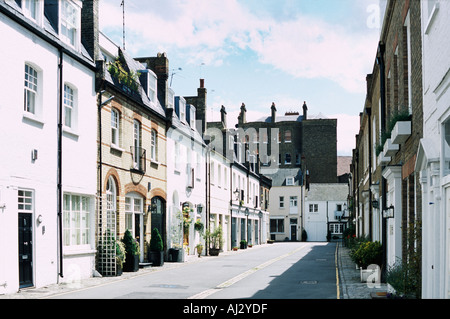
(32, 10)
(153, 87)
(31, 87)
(70, 24)
(134, 205)
(313, 208)
(25, 200)
(115, 127)
(182, 109)
(77, 234)
(136, 143)
(279, 226)
(290, 181)
(170, 98)
(70, 104)
(153, 145)
(281, 202)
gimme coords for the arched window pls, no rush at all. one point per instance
(111, 203)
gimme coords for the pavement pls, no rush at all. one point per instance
(349, 279)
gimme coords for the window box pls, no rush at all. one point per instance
(390, 148)
(401, 132)
(382, 159)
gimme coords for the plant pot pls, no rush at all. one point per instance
(243, 245)
(176, 255)
(131, 263)
(214, 251)
(119, 270)
(157, 258)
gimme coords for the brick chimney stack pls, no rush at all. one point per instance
(305, 111)
(274, 112)
(90, 28)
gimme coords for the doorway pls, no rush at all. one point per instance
(25, 250)
(293, 223)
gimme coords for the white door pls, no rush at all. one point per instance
(316, 231)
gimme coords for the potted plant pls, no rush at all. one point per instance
(120, 257)
(214, 239)
(243, 244)
(235, 248)
(131, 252)
(199, 249)
(176, 251)
(156, 249)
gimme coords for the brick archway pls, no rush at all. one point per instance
(112, 173)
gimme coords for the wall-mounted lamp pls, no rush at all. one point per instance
(40, 219)
(199, 209)
(236, 194)
(389, 212)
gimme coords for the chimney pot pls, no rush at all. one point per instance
(202, 83)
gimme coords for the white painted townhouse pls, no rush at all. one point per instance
(433, 156)
(325, 211)
(47, 142)
(186, 179)
(286, 205)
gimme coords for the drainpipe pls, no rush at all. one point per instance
(59, 165)
(380, 61)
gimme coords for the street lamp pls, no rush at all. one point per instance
(389, 212)
(260, 214)
(199, 209)
(246, 214)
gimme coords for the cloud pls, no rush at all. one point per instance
(210, 31)
(347, 128)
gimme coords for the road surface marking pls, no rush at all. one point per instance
(232, 281)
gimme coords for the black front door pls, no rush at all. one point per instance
(293, 232)
(25, 250)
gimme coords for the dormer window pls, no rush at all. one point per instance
(192, 117)
(152, 91)
(149, 82)
(31, 8)
(170, 98)
(182, 110)
(70, 22)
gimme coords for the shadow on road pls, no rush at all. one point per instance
(311, 277)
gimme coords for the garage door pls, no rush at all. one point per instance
(316, 231)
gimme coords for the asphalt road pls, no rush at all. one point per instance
(279, 271)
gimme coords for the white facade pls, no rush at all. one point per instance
(434, 150)
(286, 218)
(185, 178)
(220, 193)
(29, 153)
(325, 207)
(248, 221)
